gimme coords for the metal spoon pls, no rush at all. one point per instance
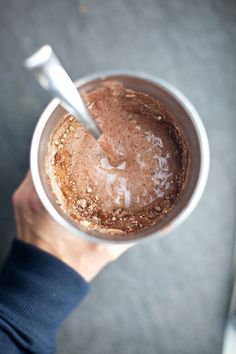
(46, 67)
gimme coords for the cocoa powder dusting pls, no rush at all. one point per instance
(129, 179)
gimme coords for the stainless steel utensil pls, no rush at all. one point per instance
(51, 75)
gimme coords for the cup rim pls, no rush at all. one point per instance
(200, 132)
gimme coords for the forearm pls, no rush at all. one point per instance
(37, 292)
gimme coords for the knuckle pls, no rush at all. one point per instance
(33, 202)
(95, 248)
(16, 198)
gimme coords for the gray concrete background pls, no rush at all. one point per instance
(166, 296)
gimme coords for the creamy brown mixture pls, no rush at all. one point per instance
(129, 179)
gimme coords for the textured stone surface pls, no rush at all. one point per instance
(166, 296)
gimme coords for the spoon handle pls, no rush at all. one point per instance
(45, 65)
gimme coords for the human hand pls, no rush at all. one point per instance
(35, 226)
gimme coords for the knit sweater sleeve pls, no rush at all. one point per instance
(37, 292)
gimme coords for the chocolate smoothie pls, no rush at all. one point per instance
(129, 179)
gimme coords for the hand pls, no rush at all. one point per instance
(35, 226)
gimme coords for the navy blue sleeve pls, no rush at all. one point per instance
(37, 292)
